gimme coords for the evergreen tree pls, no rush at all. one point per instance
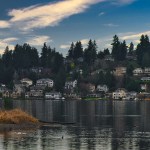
(78, 50)
(142, 48)
(44, 55)
(71, 51)
(131, 48)
(90, 52)
(106, 52)
(7, 57)
(115, 47)
(119, 50)
(60, 79)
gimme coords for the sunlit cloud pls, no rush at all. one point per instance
(51, 14)
(39, 40)
(7, 42)
(4, 24)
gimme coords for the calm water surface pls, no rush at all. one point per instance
(96, 125)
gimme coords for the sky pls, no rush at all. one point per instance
(60, 22)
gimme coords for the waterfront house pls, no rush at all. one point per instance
(143, 87)
(26, 82)
(6, 93)
(36, 91)
(45, 82)
(131, 95)
(102, 88)
(119, 93)
(120, 71)
(53, 95)
(137, 71)
(16, 94)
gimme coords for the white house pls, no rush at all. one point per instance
(119, 94)
(36, 91)
(45, 82)
(102, 88)
(131, 95)
(147, 70)
(91, 87)
(143, 87)
(53, 95)
(70, 84)
(18, 87)
(27, 82)
(137, 71)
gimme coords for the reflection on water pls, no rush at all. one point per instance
(104, 125)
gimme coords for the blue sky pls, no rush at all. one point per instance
(60, 22)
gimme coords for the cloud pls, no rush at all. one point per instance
(65, 46)
(39, 40)
(134, 36)
(7, 42)
(4, 24)
(101, 14)
(123, 2)
(51, 14)
(111, 25)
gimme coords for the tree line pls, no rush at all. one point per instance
(25, 57)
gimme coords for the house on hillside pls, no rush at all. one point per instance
(120, 71)
(91, 88)
(45, 82)
(102, 88)
(26, 82)
(137, 71)
(109, 58)
(71, 84)
(18, 87)
(145, 79)
(147, 71)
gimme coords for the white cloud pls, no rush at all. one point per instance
(7, 42)
(84, 41)
(111, 25)
(65, 46)
(134, 36)
(39, 40)
(101, 13)
(50, 14)
(4, 24)
(123, 2)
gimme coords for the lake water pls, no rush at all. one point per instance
(92, 125)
